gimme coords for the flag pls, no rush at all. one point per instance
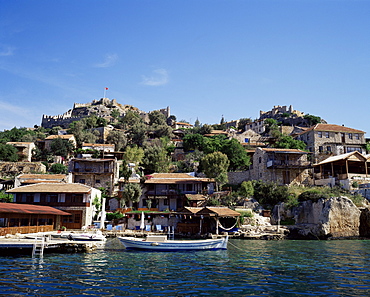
(106, 88)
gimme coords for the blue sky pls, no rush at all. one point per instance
(203, 58)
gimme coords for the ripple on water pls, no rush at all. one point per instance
(247, 268)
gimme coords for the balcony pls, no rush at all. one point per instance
(287, 164)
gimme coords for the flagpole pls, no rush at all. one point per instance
(105, 90)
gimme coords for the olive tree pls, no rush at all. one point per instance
(215, 166)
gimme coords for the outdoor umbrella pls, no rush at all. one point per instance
(142, 224)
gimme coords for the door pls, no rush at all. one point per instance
(74, 221)
(286, 177)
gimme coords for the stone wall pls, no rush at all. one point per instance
(236, 178)
(15, 168)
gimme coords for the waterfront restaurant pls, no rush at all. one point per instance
(27, 218)
(209, 219)
(344, 169)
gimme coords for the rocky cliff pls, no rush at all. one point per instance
(337, 217)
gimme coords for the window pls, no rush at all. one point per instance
(327, 134)
(321, 149)
(51, 198)
(357, 136)
(82, 181)
(77, 218)
(350, 136)
(259, 160)
(74, 198)
(352, 149)
(328, 148)
(319, 134)
(98, 181)
(189, 187)
(165, 201)
(77, 198)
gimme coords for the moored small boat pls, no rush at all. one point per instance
(160, 243)
(86, 236)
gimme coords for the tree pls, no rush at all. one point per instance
(155, 157)
(213, 144)
(42, 155)
(137, 134)
(90, 122)
(130, 119)
(156, 117)
(8, 153)
(205, 129)
(312, 120)
(61, 147)
(197, 123)
(133, 154)
(238, 157)
(115, 114)
(162, 131)
(14, 134)
(101, 122)
(193, 142)
(131, 193)
(243, 122)
(215, 166)
(118, 138)
(125, 171)
(246, 189)
(288, 142)
(58, 168)
(269, 193)
(367, 147)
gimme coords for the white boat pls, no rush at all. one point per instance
(86, 236)
(161, 243)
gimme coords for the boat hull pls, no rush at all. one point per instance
(174, 245)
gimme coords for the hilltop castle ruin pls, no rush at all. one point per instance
(101, 108)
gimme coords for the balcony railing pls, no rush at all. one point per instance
(25, 229)
(287, 163)
(169, 192)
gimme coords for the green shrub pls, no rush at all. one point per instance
(292, 201)
(357, 199)
(110, 216)
(269, 193)
(313, 195)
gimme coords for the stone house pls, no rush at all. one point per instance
(106, 148)
(167, 191)
(248, 137)
(95, 172)
(28, 179)
(283, 166)
(325, 140)
(24, 150)
(15, 168)
(48, 140)
(257, 126)
(181, 125)
(75, 199)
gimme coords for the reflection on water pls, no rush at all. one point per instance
(247, 268)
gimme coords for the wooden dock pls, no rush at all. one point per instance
(25, 246)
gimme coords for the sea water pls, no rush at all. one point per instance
(247, 268)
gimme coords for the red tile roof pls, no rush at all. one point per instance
(281, 150)
(30, 209)
(173, 178)
(331, 128)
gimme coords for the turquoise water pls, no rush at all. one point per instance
(247, 268)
